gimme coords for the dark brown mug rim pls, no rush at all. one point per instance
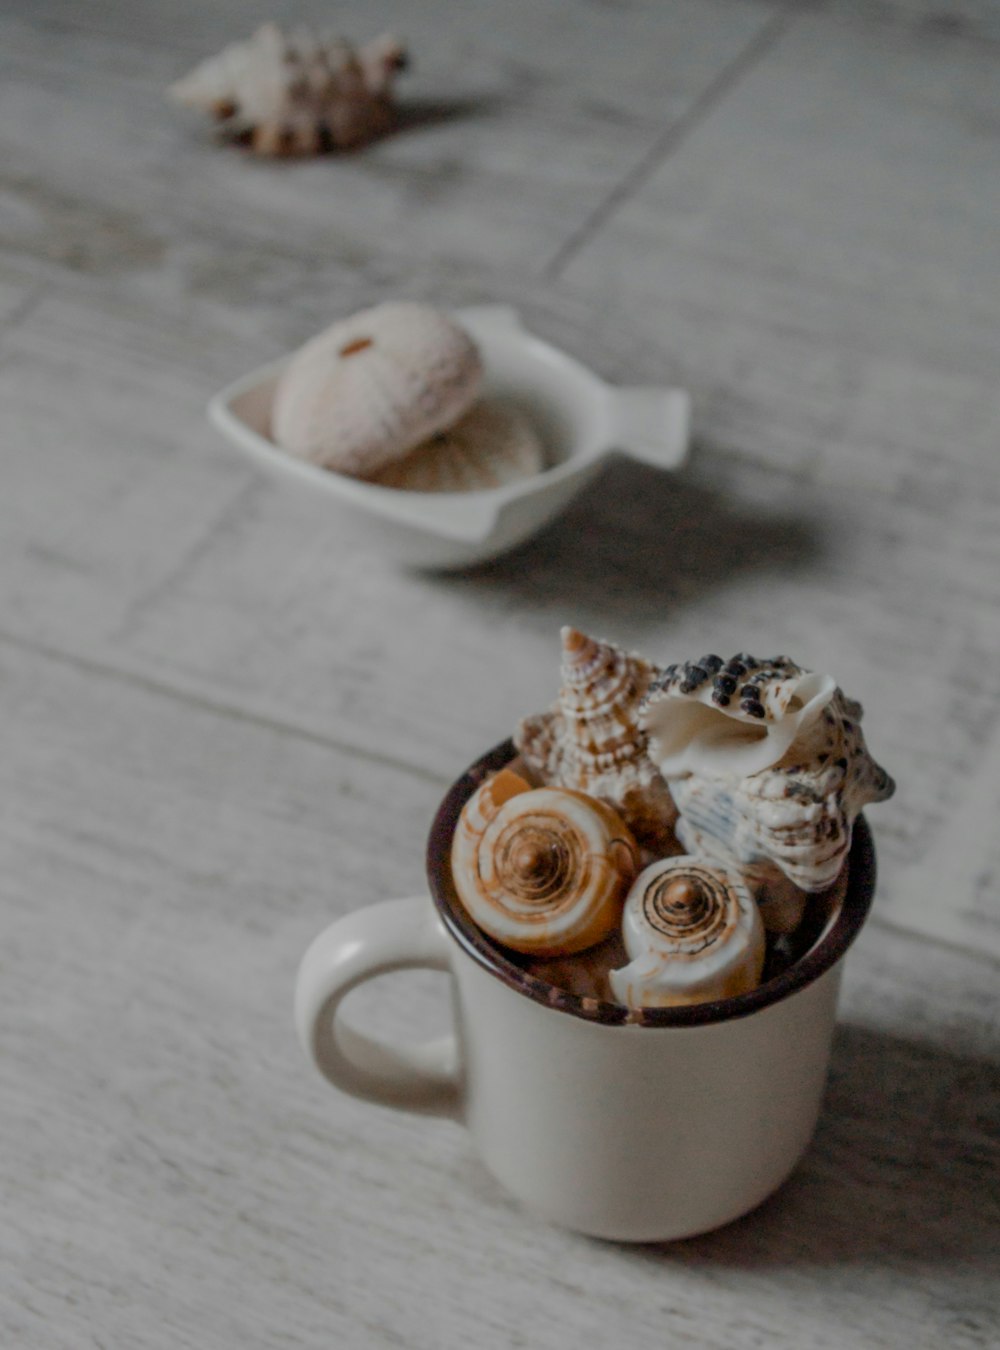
(475, 943)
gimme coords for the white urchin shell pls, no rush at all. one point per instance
(489, 447)
(371, 388)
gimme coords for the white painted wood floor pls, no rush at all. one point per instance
(227, 721)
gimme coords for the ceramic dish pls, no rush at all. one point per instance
(583, 420)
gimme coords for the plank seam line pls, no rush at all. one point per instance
(934, 940)
(148, 684)
(24, 307)
(669, 140)
(204, 703)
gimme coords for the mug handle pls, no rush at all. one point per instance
(393, 935)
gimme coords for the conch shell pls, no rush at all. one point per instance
(490, 446)
(369, 389)
(296, 93)
(739, 716)
(772, 783)
(694, 935)
(543, 871)
(592, 740)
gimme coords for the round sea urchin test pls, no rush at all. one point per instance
(371, 388)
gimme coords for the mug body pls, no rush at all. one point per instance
(638, 1124)
(639, 1133)
(645, 1124)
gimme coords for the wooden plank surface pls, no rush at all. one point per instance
(183, 1179)
(229, 719)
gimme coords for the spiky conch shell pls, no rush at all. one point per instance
(296, 93)
(694, 934)
(372, 387)
(773, 782)
(490, 446)
(592, 741)
(544, 870)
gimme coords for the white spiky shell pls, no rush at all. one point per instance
(544, 870)
(297, 92)
(779, 786)
(492, 445)
(740, 716)
(694, 934)
(592, 740)
(370, 388)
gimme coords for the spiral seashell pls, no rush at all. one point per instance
(490, 446)
(371, 388)
(298, 92)
(693, 933)
(542, 870)
(773, 787)
(592, 741)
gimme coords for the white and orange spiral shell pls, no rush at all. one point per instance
(694, 935)
(543, 870)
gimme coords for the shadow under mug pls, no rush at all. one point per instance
(636, 1131)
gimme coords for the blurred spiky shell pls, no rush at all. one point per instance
(297, 92)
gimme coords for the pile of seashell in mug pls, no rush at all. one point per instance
(670, 836)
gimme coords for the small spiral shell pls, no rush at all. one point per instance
(694, 935)
(591, 739)
(543, 870)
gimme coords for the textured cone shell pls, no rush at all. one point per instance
(372, 387)
(543, 871)
(296, 92)
(592, 740)
(490, 446)
(797, 815)
(693, 933)
(740, 716)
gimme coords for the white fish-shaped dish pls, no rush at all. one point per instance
(583, 421)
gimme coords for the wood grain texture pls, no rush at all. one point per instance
(182, 1178)
(229, 720)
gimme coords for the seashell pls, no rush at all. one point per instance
(584, 974)
(296, 93)
(592, 740)
(694, 935)
(739, 716)
(490, 446)
(776, 782)
(372, 387)
(781, 903)
(542, 870)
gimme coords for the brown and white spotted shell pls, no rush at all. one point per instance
(297, 92)
(737, 716)
(694, 934)
(592, 740)
(544, 870)
(370, 388)
(773, 781)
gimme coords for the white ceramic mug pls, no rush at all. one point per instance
(635, 1131)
